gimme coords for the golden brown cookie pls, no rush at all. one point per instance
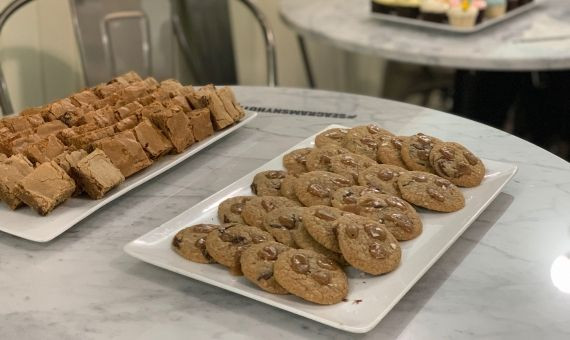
(364, 139)
(227, 243)
(255, 209)
(382, 177)
(350, 165)
(304, 240)
(288, 187)
(280, 223)
(296, 161)
(257, 264)
(190, 243)
(268, 183)
(331, 136)
(368, 245)
(311, 276)
(316, 187)
(415, 151)
(229, 211)
(457, 164)
(430, 191)
(321, 222)
(320, 158)
(390, 151)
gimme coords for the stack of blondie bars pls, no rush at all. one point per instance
(92, 140)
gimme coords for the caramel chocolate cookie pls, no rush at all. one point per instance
(399, 217)
(321, 222)
(350, 165)
(190, 243)
(346, 199)
(257, 264)
(415, 151)
(304, 240)
(331, 136)
(288, 187)
(367, 245)
(390, 151)
(364, 140)
(255, 209)
(296, 161)
(316, 187)
(268, 183)
(229, 211)
(311, 276)
(281, 222)
(430, 191)
(227, 243)
(320, 158)
(382, 177)
(457, 164)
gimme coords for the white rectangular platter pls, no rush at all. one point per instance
(369, 298)
(448, 28)
(26, 223)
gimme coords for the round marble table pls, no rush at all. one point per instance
(496, 281)
(536, 41)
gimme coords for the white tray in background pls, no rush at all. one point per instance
(448, 28)
(26, 223)
(377, 294)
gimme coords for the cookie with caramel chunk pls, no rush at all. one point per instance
(190, 243)
(255, 209)
(229, 211)
(281, 222)
(430, 191)
(321, 222)
(415, 152)
(257, 264)
(457, 164)
(367, 245)
(382, 177)
(319, 159)
(364, 140)
(335, 136)
(311, 276)
(390, 151)
(268, 183)
(296, 161)
(316, 187)
(350, 165)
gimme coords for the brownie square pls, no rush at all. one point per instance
(152, 140)
(106, 90)
(67, 161)
(85, 140)
(101, 117)
(45, 150)
(45, 188)
(97, 175)
(13, 170)
(50, 128)
(127, 110)
(18, 143)
(3, 157)
(181, 101)
(127, 78)
(152, 108)
(227, 97)
(84, 98)
(16, 124)
(174, 123)
(66, 135)
(127, 123)
(125, 152)
(221, 118)
(171, 86)
(201, 123)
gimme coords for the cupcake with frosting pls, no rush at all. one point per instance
(481, 5)
(495, 8)
(408, 8)
(434, 10)
(384, 6)
(463, 15)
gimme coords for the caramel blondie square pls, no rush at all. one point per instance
(45, 188)
(125, 152)
(97, 175)
(174, 123)
(152, 140)
(13, 170)
(67, 161)
(45, 150)
(201, 123)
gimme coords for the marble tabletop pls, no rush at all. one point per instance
(534, 41)
(506, 277)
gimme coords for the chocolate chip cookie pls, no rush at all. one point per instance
(296, 161)
(255, 209)
(316, 187)
(227, 243)
(430, 191)
(229, 211)
(311, 276)
(280, 223)
(288, 187)
(382, 177)
(350, 165)
(320, 158)
(415, 152)
(399, 217)
(304, 240)
(320, 222)
(257, 264)
(364, 140)
(346, 199)
(268, 183)
(367, 245)
(390, 151)
(331, 136)
(190, 243)
(457, 164)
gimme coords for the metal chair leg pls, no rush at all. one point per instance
(306, 61)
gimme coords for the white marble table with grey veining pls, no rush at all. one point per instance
(506, 277)
(538, 40)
